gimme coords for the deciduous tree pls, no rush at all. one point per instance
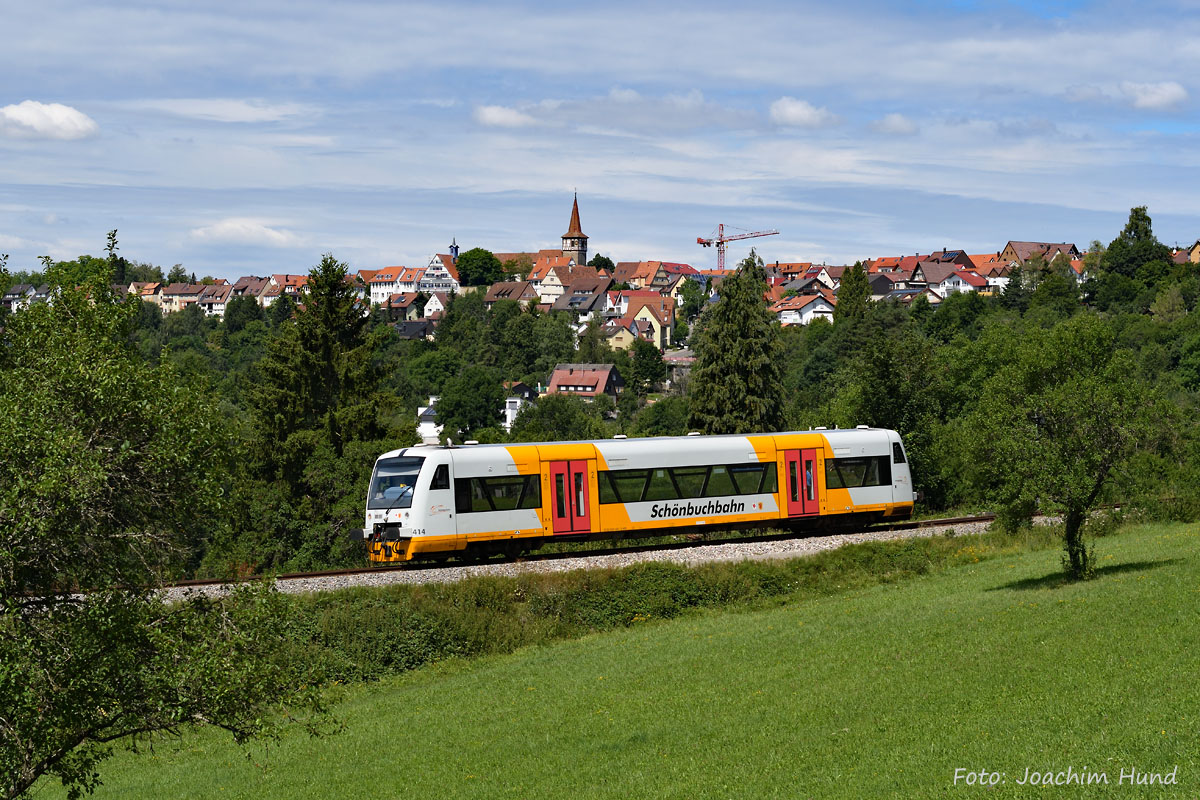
(1058, 422)
(111, 471)
(478, 267)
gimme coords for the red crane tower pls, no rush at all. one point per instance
(720, 239)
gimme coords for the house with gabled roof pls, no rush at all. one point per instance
(441, 274)
(1020, 252)
(402, 306)
(656, 316)
(523, 292)
(586, 380)
(291, 285)
(584, 298)
(803, 309)
(560, 275)
(383, 284)
(179, 296)
(213, 298)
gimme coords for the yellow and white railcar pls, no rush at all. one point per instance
(432, 501)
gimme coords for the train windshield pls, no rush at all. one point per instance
(393, 482)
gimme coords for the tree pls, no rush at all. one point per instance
(649, 369)
(281, 310)
(177, 274)
(470, 401)
(667, 417)
(478, 267)
(557, 417)
(241, 311)
(111, 471)
(318, 375)
(602, 262)
(693, 295)
(1057, 422)
(737, 381)
(853, 294)
(1136, 252)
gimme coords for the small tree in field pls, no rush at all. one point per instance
(1056, 424)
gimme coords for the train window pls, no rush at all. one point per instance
(897, 454)
(629, 485)
(661, 487)
(497, 494)
(719, 483)
(690, 480)
(851, 473)
(793, 484)
(505, 493)
(753, 478)
(560, 495)
(608, 492)
(441, 477)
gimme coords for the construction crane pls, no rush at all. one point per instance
(720, 239)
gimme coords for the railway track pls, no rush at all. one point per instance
(441, 571)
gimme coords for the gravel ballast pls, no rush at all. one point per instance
(691, 556)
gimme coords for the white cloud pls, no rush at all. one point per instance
(1156, 96)
(620, 95)
(800, 114)
(223, 109)
(241, 230)
(896, 124)
(502, 117)
(1160, 96)
(33, 120)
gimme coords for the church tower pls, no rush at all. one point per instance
(574, 242)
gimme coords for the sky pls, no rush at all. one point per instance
(251, 137)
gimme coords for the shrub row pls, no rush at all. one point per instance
(363, 634)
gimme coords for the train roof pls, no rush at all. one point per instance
(840, 434)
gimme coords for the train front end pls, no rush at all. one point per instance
(404, 506)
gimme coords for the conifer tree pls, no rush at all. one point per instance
(737, 383)
(853, 294)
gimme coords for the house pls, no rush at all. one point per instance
(803, 309)
(1020, 252)
(996, 274)
(586, 380)
(561, 274)
(960, 280)
(270, 295)
(436, 305)
(414, 329)
(618, 335)
(523, 292)
(213, 298)
(402, 306)
(906, 296)
(441, 274)
(179, 296)
(383, 284)
(147, 291)
(409, 281)
(291, 285)
(427, 425)
(957, 257)
(790, 270)
(884, 283)
(18, 296)
(518, 396)
(943, 278)
(583, 298)
(651, 318)
(250, 286)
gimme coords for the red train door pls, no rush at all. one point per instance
(800, 482)
(570, 501)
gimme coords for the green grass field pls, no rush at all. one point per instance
(878, 692)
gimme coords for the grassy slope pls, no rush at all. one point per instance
(877, 693)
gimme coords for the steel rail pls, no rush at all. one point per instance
(696, 540)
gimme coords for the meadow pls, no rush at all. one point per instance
(856, 691)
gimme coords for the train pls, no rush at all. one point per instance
(439, 501)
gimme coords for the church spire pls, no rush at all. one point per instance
(574, 231)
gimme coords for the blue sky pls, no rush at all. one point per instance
(250, 137)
